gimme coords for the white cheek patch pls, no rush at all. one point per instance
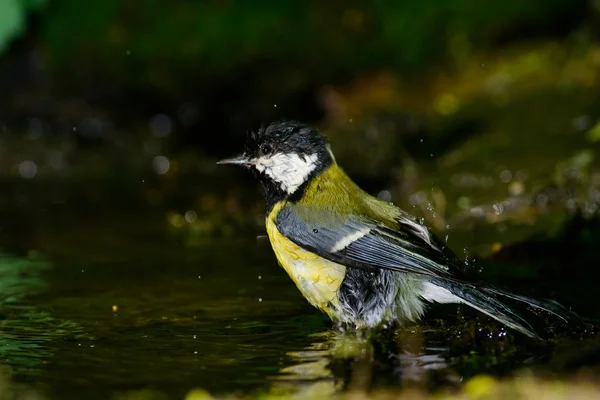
(289, 170)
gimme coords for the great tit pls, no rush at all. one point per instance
(361, 260)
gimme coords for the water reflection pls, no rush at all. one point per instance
(26, 330)
(339, 361)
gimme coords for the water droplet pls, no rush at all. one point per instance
(505, 176)
(315, 231)
(516, 188)
(160, 125)
(498, 208)
(161, 164)
(581, 123)
(447, 238)
(260, 299)
(385, 195)
(190, 216)
(259, 277)
(28, 169)
(541, 200)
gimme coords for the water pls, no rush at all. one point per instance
(131, 311)
(108, 304)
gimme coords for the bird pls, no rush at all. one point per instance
(363, 261)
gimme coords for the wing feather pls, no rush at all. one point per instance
(359, 242)
(366, 243)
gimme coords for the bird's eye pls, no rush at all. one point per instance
(266, 148)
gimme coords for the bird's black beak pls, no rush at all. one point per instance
(241, 160)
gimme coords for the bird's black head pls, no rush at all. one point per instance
(285, 156)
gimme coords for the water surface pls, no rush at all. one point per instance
(106, 304)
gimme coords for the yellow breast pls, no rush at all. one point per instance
(318, 279)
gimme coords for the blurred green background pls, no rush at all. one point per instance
(481, 118)
(462, 106)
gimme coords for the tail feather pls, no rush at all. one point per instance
(547, 305)
(493, 302)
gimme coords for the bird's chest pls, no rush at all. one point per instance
(318, 279)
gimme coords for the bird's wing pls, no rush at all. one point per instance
(360, 242)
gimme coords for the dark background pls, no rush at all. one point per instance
(481, 118)
(456, 105)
